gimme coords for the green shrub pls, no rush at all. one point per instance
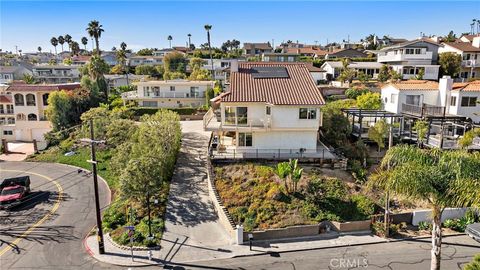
(358, 172)
(364, 205)
(424, 226)
(474, 264)
(66, 145)
(354, 92)
(140, 111)
(450, 224)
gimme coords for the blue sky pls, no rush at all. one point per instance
(147, 24)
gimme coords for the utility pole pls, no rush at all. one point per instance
(387, 199)
(101, 245)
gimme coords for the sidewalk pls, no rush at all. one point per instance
(194, 253)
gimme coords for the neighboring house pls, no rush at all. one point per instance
(79, 60)
(409, 58)
(434, 98)
(280, 57)
(333, 69)
(169, 94)
(470, 53)
(467, 38)
(114, 80)
(56, 73)
(29, 104)
(11, 73)
(111, 58)
(271, 110)
(312, 51)
(150, 60)
(7, 117)
(166, 51)
(318, 74)
(345, 53)
(220, 67)
(256, 49)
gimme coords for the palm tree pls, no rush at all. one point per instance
(85, 42)
(208, 28)
(39, 49)
(54, 42)
(75, 47)
(61, 40)
(170, 40)
(95, 30)
(123, 46)
(68, 40)
(189, 40)
(441, 178)
(283, 171)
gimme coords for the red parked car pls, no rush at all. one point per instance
(13, 191)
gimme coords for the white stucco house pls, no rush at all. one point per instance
(409, 58)
(436, 98)
(169, 94)
(470, 53)
(55, 74)
(271, 110)
(333, 69)
(27, 120)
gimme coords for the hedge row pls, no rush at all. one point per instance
(139, 111)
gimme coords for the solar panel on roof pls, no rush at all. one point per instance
(269, 72)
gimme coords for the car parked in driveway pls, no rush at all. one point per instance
(473, 230)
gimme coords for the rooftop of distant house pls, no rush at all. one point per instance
(421, 85)
(273, 83)
(24, 87)
(307, 50)
(8, 69)
(406, 43)
(261, 46)
(463, 46)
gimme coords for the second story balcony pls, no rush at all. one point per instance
(470, 63)
(423, 110)
(399, 57)
(132, 95)
(212, 122)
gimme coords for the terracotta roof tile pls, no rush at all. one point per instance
(415, 85)
(307, 50)
(463, 46)
(296, 89)
(467, 87)
(23, 87)
(5, 99)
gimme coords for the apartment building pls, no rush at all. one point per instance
(169, 94)
(29, 102)
(271, 110)
(470, 53)
(56, 74)
(409, 58)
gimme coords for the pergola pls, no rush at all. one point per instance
(358, 115)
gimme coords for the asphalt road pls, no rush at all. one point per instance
(405, 255)
(47, 230)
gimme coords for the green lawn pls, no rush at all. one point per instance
(56, 155)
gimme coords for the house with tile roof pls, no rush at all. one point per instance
(30, 102)
(411, 57)
(470, 53)
(345, 53)
(443, 98)
(256, 49)
(271, 110)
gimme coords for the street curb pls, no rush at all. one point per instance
(136, 248)
(383, 241)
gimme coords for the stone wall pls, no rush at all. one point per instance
(352, 226)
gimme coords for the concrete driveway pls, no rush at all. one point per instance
(192, 225)
(18, 151)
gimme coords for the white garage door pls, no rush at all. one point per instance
(37, 134)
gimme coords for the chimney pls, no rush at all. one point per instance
(476, 42)
(445, 86)
(234, 66)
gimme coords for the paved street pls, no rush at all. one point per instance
(405, 255)
(46, 231)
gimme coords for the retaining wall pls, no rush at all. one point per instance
(448, 213)
(352, 226)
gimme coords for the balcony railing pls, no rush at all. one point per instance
(134, 95)
(390, 57)
(212, 122)
(470, 63)
(424, 110)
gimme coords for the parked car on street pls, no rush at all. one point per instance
(473, 230)
(13, 191)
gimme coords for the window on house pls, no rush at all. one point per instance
(30, 100)
(245, 139)
(466, 56)
(21, 117)
(19, 101)
(156, 91)
(146, 91)
(413, 100)
(45, 99)
(2, 120)
(32, 117)
(1, 109)
(418, 51)
(469, 101)
(308, 113)
(453, 101)
(268, 110)
(464, 74)
(10, 120)
(151, 104)
(242, 113)
(8, 132)
(229, 115)
(393, 98)
(172, 88)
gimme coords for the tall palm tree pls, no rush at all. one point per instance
(441, 178)
(54, 42)
(85, 42)
(208, 28)
(189, 40)
(61, 40)
(170, 40)
(68, 40)
(75, 47)
(95, 30)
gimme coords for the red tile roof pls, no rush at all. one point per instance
(468, 86)
(307, 50)
(23, 87)
(415, 85)
(5, 99)
(463, 46)
(296, 89)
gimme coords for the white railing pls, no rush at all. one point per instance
(134, 95)
(470, 63)
(208, 117)
(390, 57)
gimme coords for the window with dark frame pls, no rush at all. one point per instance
(245, 139)
(469, 102)
(307, 113)
(453, 101)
